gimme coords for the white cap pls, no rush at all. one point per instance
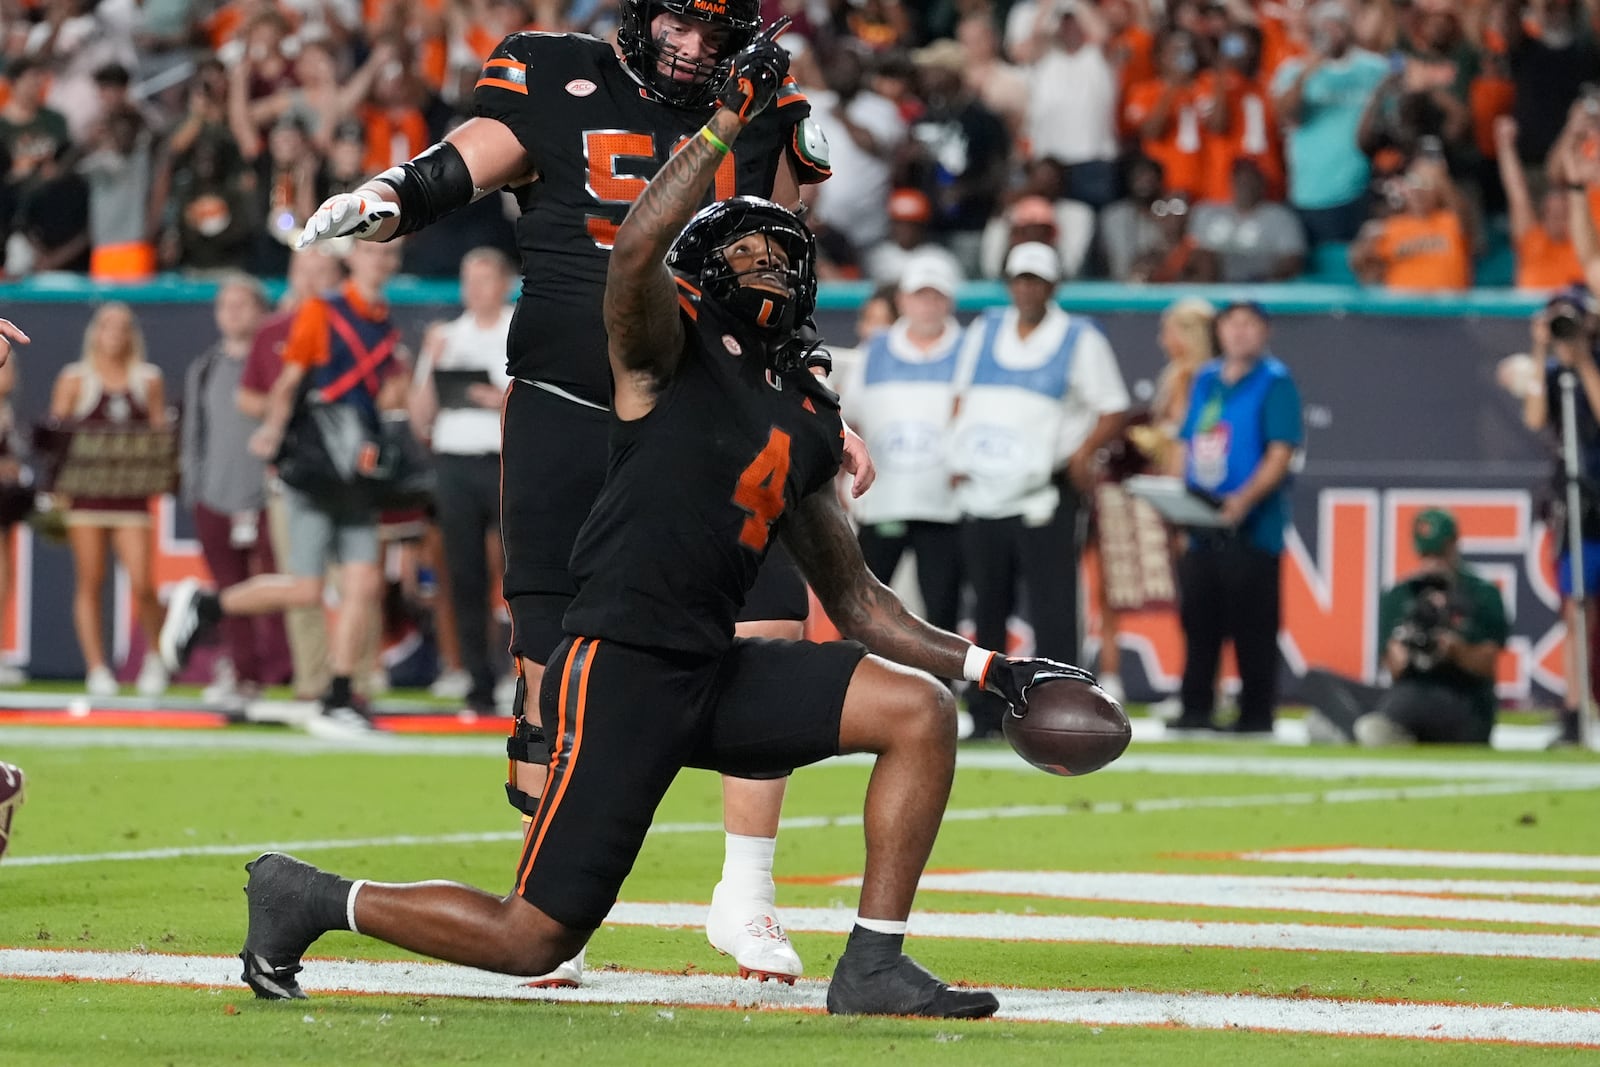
(930, 270)
(1034, 257)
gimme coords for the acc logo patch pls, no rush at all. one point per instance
(581, 87)
(731, 345)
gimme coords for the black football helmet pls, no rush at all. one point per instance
(697, 253)
(742, 19)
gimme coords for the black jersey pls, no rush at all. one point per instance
(696, 490)
(595, 137)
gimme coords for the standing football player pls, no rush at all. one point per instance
(722, 439)
(576, 133)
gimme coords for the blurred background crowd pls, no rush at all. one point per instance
(1416, 144)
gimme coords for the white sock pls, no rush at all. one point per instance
(881, 926)
(350, 905)
(747, 865)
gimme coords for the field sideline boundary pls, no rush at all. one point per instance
(1564, 1027)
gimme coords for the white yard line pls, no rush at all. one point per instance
(1446, 1022)
(1025, 811)
(1311, 766)
(992, 926)
(1406, 857)
(1395, 898)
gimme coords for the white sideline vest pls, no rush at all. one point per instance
(1007, 432)
(905, 406)
(468, 346)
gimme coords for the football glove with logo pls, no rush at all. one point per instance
(346, 215)
(1012, 678)
(758, 72)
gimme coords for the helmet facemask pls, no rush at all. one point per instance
(659, 68)
(702, 253)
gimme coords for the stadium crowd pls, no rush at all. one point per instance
(1189, 140)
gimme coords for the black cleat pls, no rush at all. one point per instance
(281, 925)
(902, 987)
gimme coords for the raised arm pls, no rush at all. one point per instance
(641, 303)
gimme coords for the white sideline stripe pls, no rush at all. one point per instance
(1328, 896)
(817, 822)
(986, 926)
(1207, 1011)
(1310, 766)
(1406, 857)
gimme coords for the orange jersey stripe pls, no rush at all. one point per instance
(548, 808)
(501, 83)
(688, 308)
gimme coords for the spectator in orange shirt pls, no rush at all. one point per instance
(1425, 245)
(1237, 121)
(1163, 112)
(1131, 48)
(1546, 257)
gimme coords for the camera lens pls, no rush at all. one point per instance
(1564, 327)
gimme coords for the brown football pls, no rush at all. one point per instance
(1070, 727)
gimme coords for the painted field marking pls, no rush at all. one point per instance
(1208, 1011)
(1407, 857)
(1396, 898)
(992, 926)
(818, 822)
(1310, 766)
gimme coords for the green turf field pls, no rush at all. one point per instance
(1120, 908)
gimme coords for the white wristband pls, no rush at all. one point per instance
(977, 663)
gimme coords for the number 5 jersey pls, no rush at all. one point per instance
(595, 136)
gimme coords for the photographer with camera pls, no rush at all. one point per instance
(1442, 630)
(1564, 336)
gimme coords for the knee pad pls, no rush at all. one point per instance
(526, 744)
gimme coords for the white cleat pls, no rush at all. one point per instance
(567, 976)
(749, 931)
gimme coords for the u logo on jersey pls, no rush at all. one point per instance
(773, 380)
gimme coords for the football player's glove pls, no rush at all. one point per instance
(346, 215)
(758, 72)
(1012, 678)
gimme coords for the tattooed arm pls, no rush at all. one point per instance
(641, 302)
(819, 537)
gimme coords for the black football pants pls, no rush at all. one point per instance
(1228, 589)
(467, 501)
(1429, 712)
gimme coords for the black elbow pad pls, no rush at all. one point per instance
(429, 187)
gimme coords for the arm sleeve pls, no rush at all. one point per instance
(1098, 380)
(261, 365)
(307, 345)
(1390, 607)
(1191, 413)
(1282, 414)
(501, 92)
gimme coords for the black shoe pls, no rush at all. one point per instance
(902, 987)
(189, 621)
(1250, 731)
(338, 722)
(1190, 724)
(1570, 736)
(281, 927)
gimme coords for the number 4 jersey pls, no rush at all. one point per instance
(696, 491)
(595, 137)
